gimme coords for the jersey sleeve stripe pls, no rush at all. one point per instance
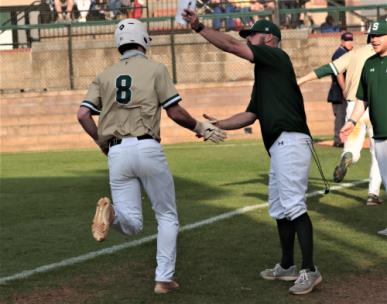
(334, 69)
(172, 100)
(91, 106)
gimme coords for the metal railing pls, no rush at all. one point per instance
(71, 34)
(162, 15)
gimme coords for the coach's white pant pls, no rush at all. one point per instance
(381, 156)
(143, 161)
(355, 142)
(288, 176)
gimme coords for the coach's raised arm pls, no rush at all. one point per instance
(277, 103)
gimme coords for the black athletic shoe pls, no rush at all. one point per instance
(341, 169)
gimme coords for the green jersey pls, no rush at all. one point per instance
(373, 89)
(276, 98)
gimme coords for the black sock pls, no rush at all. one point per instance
(287, 234)
(304, 230)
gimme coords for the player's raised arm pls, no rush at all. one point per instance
(335, 67)
(220, 40)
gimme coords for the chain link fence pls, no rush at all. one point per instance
(69, 55)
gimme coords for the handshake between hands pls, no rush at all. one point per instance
(209, 131)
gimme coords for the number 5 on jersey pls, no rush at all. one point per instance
(123, 91)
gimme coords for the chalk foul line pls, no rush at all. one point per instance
(113, 249)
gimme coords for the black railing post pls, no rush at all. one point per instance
(173, 52)
(15, 34)
(28, 31)
(70, 55)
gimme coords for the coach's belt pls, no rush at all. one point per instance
(116, 141)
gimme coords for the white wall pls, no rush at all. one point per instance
(5, 37)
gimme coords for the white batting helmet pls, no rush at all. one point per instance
(132, 31)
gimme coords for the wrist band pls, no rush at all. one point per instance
(199, 28)
(351, 120)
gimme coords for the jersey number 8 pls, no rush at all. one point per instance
(123, 92)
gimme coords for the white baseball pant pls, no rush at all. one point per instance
(288, 175)
(135, 162)
(355, 143)
(381, 156)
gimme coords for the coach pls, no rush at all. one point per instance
(277, 103)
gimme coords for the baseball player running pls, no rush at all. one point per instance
(277, 103)
(372, 94)
(129, 96)
(352, 63)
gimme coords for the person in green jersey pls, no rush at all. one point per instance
(352, 64)
(277, 103)
(372, 94)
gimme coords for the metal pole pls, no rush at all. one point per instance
(147, 14)
(28, 31)
(70, 56)
(15, 34)
(173, 52)
(277, 12)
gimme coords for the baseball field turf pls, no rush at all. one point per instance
(48, 255)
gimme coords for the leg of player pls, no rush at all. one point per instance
(286, 270)
(381, 156)
(157, 180)
(290, 162)
(374, 177)
(352, 147)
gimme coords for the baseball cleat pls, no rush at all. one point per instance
(383, 232)
(373, 200)
(341, 169)
(166, 287)
(306, 282)
(279, 273)
(103, 218)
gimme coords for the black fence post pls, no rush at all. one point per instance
(28, 31)
(173, 52)
(15, 33)
(70, 56)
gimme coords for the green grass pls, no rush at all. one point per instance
(48, 200)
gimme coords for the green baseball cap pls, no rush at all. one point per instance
(262, 26)
(378, 28)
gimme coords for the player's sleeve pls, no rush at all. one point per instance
(362, 90)
(93, 98)
(336, 67)
(266, 55)
(166, 91)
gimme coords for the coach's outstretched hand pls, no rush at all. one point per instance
(209, 132)
(211, 119)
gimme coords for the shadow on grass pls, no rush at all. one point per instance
(45, 220)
